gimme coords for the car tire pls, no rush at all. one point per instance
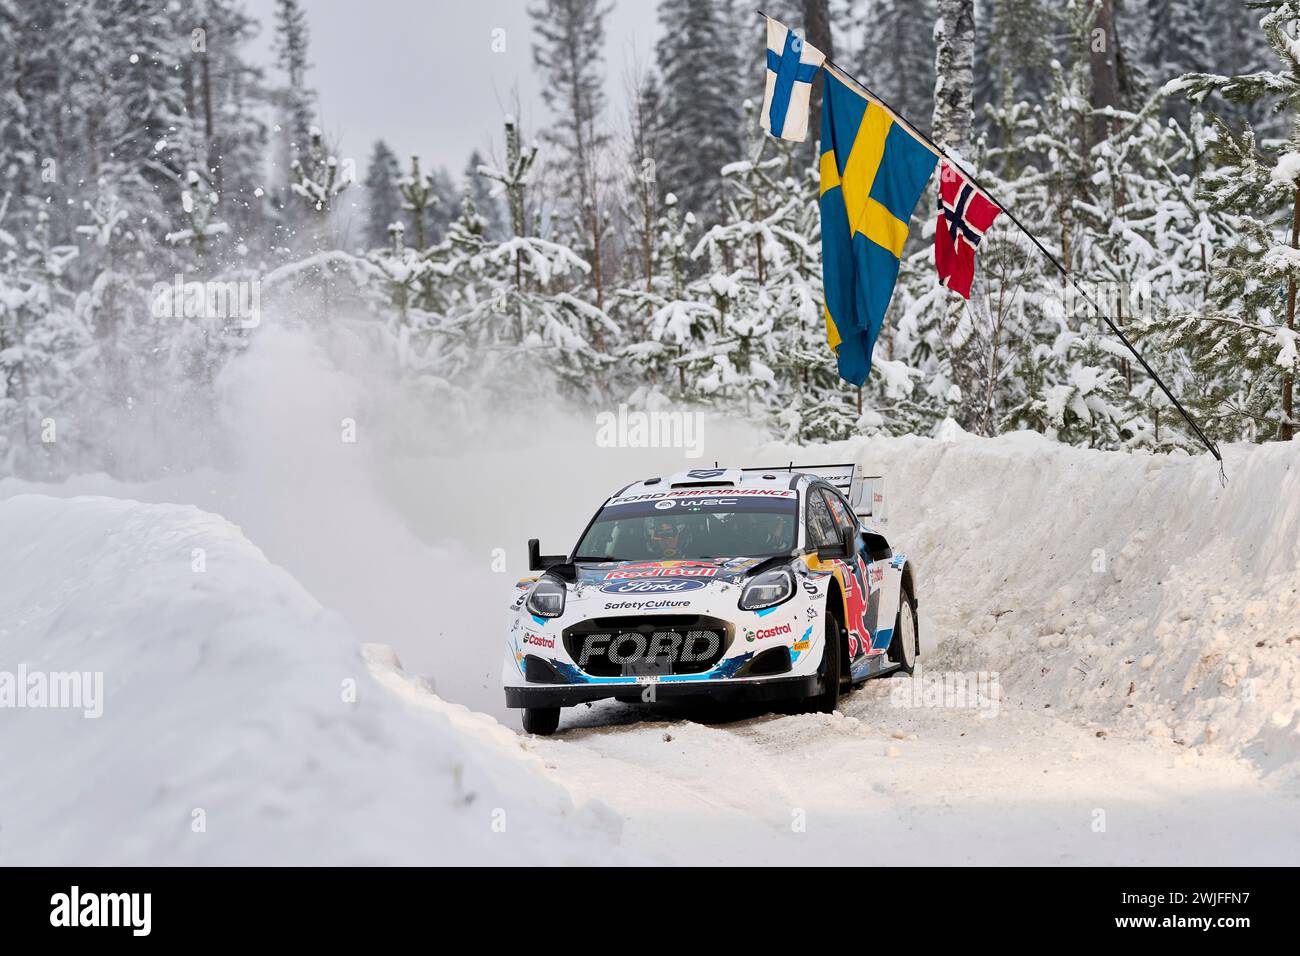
(829, 698)
(541, 721)
(905, 647)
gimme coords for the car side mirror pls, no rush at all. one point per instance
(541, 562)
(850, 540)
(846, 549)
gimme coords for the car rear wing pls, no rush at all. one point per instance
(866, 493)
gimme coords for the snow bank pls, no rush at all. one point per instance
(240, 722)
(1125, 591)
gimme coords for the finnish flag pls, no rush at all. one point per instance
(791, 66)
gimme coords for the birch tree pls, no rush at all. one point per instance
(954, 69)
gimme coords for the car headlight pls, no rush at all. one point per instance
(546, 599)
(767, 590)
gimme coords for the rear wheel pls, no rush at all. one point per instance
(906, 644)
(541, 721)
(829, 698)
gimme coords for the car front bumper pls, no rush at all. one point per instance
(737, 691)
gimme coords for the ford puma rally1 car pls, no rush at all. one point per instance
(755, 584)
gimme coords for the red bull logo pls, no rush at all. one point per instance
(660, 569)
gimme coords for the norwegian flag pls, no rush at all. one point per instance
(965, 214)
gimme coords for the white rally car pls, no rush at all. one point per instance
(754, 584)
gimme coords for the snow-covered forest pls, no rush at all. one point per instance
(163, 197)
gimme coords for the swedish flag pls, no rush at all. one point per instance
(873, 171)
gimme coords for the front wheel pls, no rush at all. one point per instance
(906, 645)
(541, 721)
(829, 698)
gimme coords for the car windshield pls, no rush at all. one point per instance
(693, 525)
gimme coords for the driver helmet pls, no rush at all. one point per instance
(778, 530)
(665, 536)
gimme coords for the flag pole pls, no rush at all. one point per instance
(871, 94)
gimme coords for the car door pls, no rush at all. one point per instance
(861, 599)
(884, 580)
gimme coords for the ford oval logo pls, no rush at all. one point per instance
(660, 586)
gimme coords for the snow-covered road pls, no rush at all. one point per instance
(886, 785)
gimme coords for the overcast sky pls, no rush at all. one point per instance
(422, 74)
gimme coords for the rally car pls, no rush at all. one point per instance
(749, 584)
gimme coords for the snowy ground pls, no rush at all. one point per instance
(879, 785)
(1143, 623)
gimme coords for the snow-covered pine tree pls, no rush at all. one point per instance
(121, 364)
(467, 303)
(1246, 344)
(640, 188)
(320, 178)
(445, 206)
(665, 320)
(291, 45)
(129, 91)
(223, 96)
(569, 55)
(1150, 241)
(421, 196)
(406, 287)
(40, 342)
(698, 59)
(456, 260)
(513, 180)
(1061, 138)
(1240, 48)
(383, 200)
(1014, 316)
(1175, 41)
(1080, 410)
(900, 56)
(528, 324)
(418, 199)
(28, 95)
(485, 201)
(760, 266)
(144, 134)
(299, 226)
(1072, 387)
(1015, 46)
(200, 219)
(647, 251)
